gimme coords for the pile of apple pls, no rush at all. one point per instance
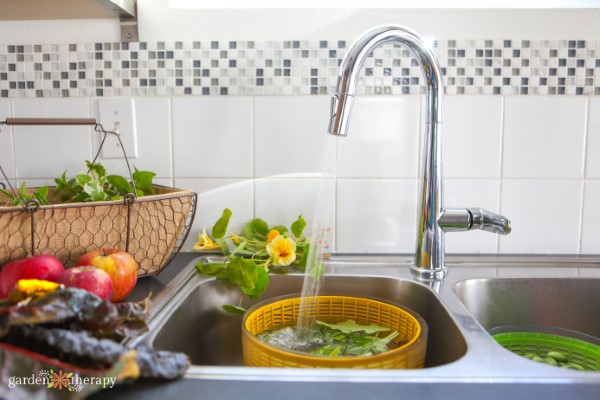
(111, 274)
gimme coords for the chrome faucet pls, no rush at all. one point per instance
(434, 219)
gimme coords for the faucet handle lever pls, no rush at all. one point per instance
(489, 221)
(465, 219)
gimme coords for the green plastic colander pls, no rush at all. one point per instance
(576, 346)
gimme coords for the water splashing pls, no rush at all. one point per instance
(323, 221)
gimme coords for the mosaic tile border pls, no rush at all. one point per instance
(481, 67)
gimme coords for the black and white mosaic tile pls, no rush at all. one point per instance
(481, 67)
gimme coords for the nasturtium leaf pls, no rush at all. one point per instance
(350, 326)
(380, 345)
(220, 228)
(280, 228)
(208, 269)
(298, 227)
(234, 309)
(243, 273)
(256, 227)
(262, 280)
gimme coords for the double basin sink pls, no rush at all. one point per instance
(478, 294)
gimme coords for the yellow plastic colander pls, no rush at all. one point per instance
(279, 312)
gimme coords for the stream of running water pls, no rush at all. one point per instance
(321, 236)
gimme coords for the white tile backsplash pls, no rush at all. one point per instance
(544, 137)
(545, 215)
(281, 201)
(377, 215)
(592, 167)
(290, 135)
(590, 230)
(383, 138)
(472, 136)
(212, 137)
(47, 151)
(522, 156)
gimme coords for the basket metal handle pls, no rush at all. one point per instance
(69, 121)
(32, 205)
(49, 121)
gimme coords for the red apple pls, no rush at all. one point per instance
(43, 267)
(92, 279)
(120, 266)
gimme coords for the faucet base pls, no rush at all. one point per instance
(427, 274)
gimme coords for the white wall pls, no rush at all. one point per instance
(158, 22)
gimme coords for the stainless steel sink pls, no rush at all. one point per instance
(198, 326)
(479, 292)
(569, 303)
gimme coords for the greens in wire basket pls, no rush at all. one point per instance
(93, 185)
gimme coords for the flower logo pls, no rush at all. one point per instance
(60, 380)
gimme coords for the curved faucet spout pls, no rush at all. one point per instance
(429, 254)
(348, 77)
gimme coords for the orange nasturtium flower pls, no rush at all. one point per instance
(205, 242)
(282, 250)
(272, 235)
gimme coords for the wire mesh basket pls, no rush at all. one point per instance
(151, 228)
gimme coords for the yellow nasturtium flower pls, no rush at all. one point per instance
(282, 250)
(272, 235)
(205, 242)
(235, 238)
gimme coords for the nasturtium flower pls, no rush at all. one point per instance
(282, 251)
(205, 242)
(235, 238)
(272, 235)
